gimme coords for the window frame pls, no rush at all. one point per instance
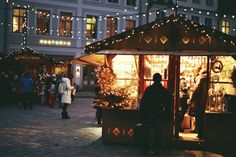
(129, 20)
(65, 23)
(21, 19)
(225, 26)
(109, 27)
(93, 25)
(48, 18)
(210, 19)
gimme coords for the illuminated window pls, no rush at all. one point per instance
(18, 19)
(154, 64)
(131, 2)
(208, 22)
(65, 24)
(126, 70)
(43, 22)
(91, 27)
(111, 26)
(225, 27)
(113, 1)
(129, 24)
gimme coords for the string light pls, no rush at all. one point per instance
(184, 8)
(111, 95)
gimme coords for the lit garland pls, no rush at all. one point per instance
(188, 25)
(181, 9)
(111, 96)
(40, 80)
(29, 54)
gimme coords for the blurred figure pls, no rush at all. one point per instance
(198, 101)
(27, 86)
(183, 99)
(58, 94)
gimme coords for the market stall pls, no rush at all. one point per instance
(175, 47)
(27, 59)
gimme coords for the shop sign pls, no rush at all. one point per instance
(26, 57)
(55, 42)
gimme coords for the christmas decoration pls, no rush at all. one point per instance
(110, 95)
(29, 54)
(40, 80)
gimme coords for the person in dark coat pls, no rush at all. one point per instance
(27, 87)
(199, 100)
(155, 107)
(183, 99)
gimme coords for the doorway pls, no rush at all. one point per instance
(187, 72)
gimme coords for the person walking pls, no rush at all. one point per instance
(27, 88)
(66, 96)
(155, 107)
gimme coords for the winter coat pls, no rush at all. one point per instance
(199, 96)
(27, 84)
(156, 102)
(66, 96)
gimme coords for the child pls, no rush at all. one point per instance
(52, 95)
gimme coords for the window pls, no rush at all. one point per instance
(111, 26)
(65, 24)
(225, 27)
(43, 22)
(129, 24)
(91, 27)
(196, 1)
(195, 18)
(210, 2)
(131, 2)
(113, 1)
(208, 22)
(18, 19)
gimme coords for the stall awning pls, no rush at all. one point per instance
(95, 59)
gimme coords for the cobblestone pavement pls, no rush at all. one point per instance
(42, 132)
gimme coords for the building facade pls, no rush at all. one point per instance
(62, 28)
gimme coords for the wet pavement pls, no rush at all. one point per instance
(42, 132)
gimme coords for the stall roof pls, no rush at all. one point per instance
(173, 34)
(27, 54)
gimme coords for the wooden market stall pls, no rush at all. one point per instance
(27, 59)
(175, 47)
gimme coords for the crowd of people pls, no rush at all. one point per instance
(23, 90)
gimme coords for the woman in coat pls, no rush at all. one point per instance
(66, 97)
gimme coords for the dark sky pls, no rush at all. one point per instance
(227, 6)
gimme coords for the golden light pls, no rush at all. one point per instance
(54, 42)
